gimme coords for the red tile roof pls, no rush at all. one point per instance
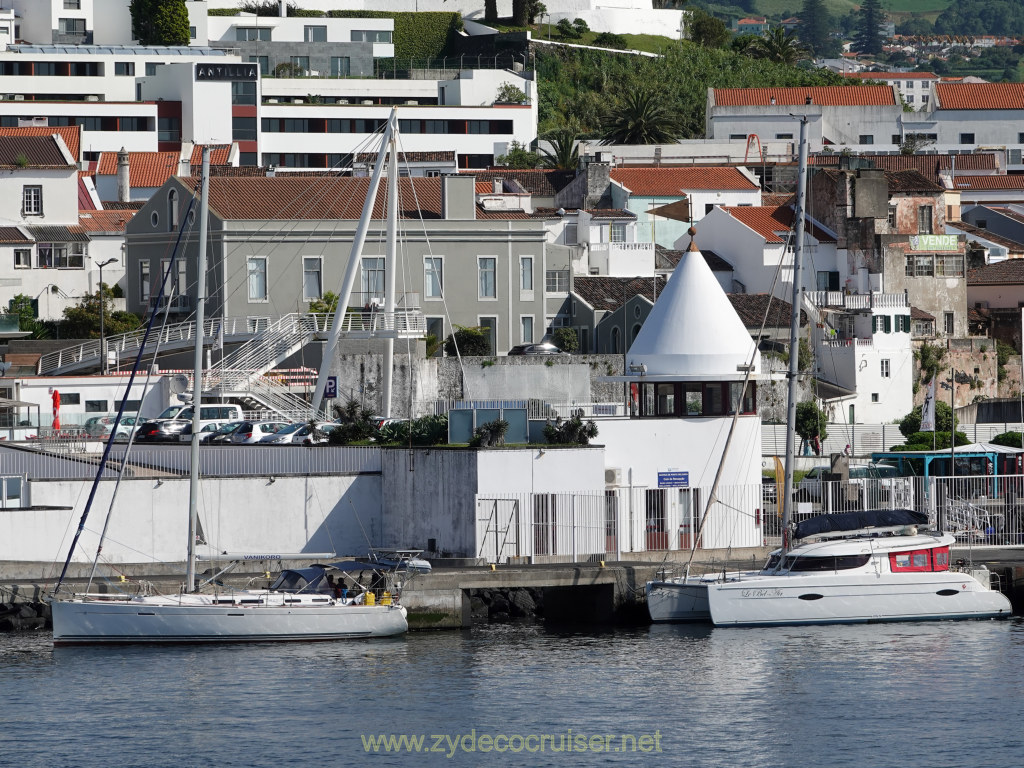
(989, 182)
(541, 182)
(145, 169)
(104, 221)
(85, 200)
(824, 95)
(13, 235)
(1009, 272)
(892, 75)
(672, 182)
(484, 188)
(980, 95)
(70, 134)
(767, 221)
(19, 152)
(218, 154)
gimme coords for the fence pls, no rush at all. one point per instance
(869, 438)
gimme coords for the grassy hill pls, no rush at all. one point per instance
(900, 8)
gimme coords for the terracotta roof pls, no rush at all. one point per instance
(767, 220)
(72, 135)
(219, 154)
(606, 293)
(974, 315)
(920, 314)
(979, 95)
(911, 180)
(31, 152)
(104, 221)
(751, 307)
(969, 229)
(669, 259)
(145, 169)
(545, 183)
(1009, 272)
(85, 200)
(672, 182)
(824, 95)
(892, 75)
(610, 213)
(12, 235)
(929, 165)
(1009, 181)
(484, 188)
(788, 198)
(325, 197)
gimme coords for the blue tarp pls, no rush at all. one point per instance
(855, 521)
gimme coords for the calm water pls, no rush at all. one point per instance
(942, 694)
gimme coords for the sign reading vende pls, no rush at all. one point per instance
(934, 243)
(226, 71)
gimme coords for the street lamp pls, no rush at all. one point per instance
(103, 346)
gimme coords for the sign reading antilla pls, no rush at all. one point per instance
(226, 71)
(673, 479)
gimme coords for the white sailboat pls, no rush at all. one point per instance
(283, 612)
(867, 566)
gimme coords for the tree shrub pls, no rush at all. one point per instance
(566, 339)
(468, 342)
(572, 431)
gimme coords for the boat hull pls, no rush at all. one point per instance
(142, 620)
(678, 600)
(855, 598)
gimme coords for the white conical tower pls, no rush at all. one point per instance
(693, 332)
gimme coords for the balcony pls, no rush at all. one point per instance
(858, 300)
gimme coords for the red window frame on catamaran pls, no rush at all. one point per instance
(936, 559)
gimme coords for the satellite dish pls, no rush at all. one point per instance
(179, 383)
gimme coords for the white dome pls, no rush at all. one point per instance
(693, 331)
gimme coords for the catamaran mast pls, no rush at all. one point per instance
(197, 376)
(390, 273)
(794, 338)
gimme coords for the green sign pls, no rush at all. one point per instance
(934, 243)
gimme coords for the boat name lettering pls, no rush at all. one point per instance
(761, 592)
(261, 557)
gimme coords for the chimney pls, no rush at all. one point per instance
(498, 187)
(282, 8)
(809, 99)
(124, 187)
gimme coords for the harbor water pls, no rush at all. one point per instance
(949, 694)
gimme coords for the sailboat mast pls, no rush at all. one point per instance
(794, 338)
(390, 274)
(197, 375)
(354, 259)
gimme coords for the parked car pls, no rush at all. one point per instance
(543, 348)
(99, 427)
(223, 435)
(254, 431)
(163, 431)
(205, 433)
(810, 486)
(289, 435)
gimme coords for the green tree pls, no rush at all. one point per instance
(468, 342)
(356, 424)
(642, 116)
(707, 30)
(566, 339)
(572, 431)
(82, 321)
(779, 46)
(518, 157)
(916, 25)
(915, 142)
(944, 420)
(868, 38)
(24, 307)
(564, 154)
(566, 30)
(743, 43)
(811, 421)
(534, 10)
(509, 93)
(930, 357)
(610, 40)
(581, 27)
(815, 30)
(1009, 439)
(160, 22)
(325, 305)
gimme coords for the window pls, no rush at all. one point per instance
(949, 266)
(371, 36)
(70, 398)
(486, 272)
(371, 279)
(910, 99)
(151, 69)
(924, 328)
(126, 68)
(478, 126)
(783, 135)
(251, 34)
(910, 83)
(924, 98)
(526, 329)
(243, 128)
(168, 129)
(571, 237)
(892, 215)
(177, 283)
(949, 322)
(874, 397)
(489, 326)
(526, 273)
(300, 65)
(866, 138)
(881, 324)
(885, 369)
(71, 26)
(22, 258)
(435, 328)
(433, 277)
(263, 61)
(72, 5)
(192, 33)
(341, 66)
(96, 406)
(242, 93)
(708, 208)
(966, 138)
(312, 284)
(144, 281)
(31, 200)
(1020, 138)
(617, 233)
(556, 281)
(924, 220)
(316, 34)
(924, 265)
(737, 137)
(44, 256)
(257, 278)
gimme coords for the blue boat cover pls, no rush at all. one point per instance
(855, 521)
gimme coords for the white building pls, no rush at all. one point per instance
(916, 88)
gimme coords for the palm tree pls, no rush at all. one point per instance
(779, 46)
(564, 154)
(641, 117)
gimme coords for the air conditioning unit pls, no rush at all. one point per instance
(18, 97)
(613, 476)
(92, 97)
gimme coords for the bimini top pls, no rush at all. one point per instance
(855, 521)
(693, 333)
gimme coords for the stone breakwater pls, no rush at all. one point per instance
(20, 617)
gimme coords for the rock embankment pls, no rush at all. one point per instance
(497, 605)
(19, 617)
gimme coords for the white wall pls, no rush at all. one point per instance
(106, 388)
(60, 196)
(112, 22)
(205, 105)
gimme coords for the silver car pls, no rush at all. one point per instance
(254, 431)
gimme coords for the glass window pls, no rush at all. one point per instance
(866, 138)
(96, 406)
(263, 61)
(923, 265)
(526, 329)
(436, 126)
(257, 278)
(713, 402)
(243, 93)
(22, 258)
(316, 34)
(570, 234)
(556, 281)
(251, 34)
(371, 279)
(885, 369)
(71, 26)
(892, 214)
(694, 400)
(665, 399)
(243, 128)
(124, 68)
(526, 273)
(489, 326)
(341, 66)
(312, 285)
(300, 65)
(483, 126)
(32, 200)
(487, 269)
(966, 138)
(44, 255)
(949, 318)
(168, 129)
(72, 5)
(949, 266)
(617, 233)
(433, 277)
(144, 281)
(924, 220)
